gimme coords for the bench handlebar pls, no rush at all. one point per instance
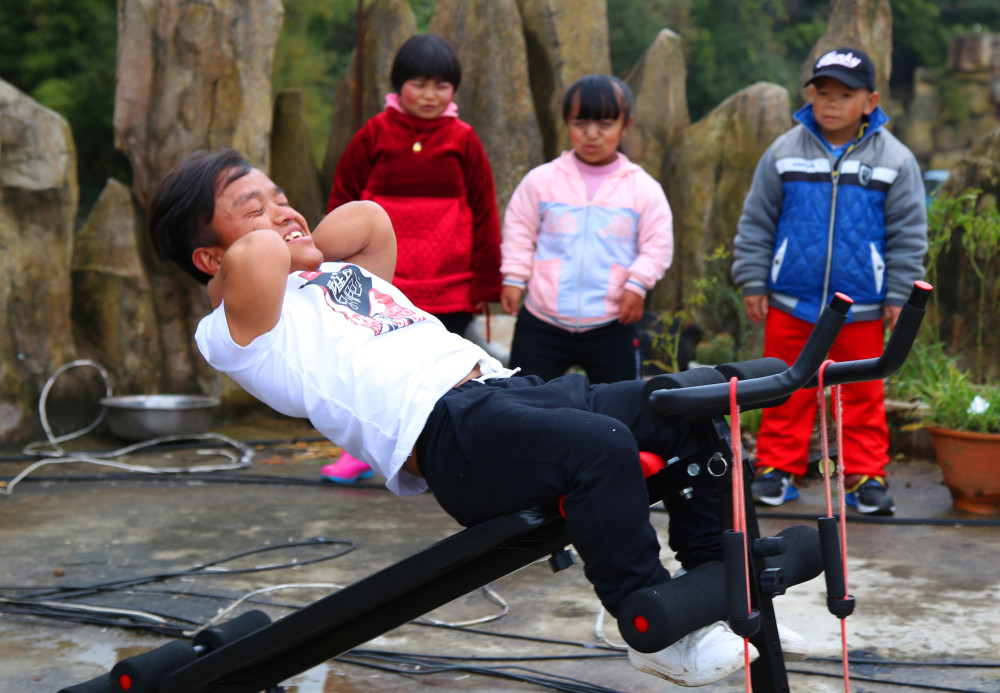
(681, 403)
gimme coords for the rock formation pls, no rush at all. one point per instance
(495, 97)
(387, 24)
(38, 200)
(291, 158)
(658, 82)
(560, 50)
(706, 176)
(114, 318)
(865, 24)
(193, 74)
(950, 112)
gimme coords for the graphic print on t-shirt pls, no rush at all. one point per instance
(349, 292)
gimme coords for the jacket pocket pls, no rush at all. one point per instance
(878, 268)
(777, 260)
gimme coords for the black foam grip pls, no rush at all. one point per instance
(801, 558)
(756, 368)
(673, 609)
(833, 564)
(215, 637)
(145, 672)
(674, 381)
(101, 684)
(736, 575)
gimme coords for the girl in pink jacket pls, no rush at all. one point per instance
(584, 237)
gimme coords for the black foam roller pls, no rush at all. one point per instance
(673, 381)
(756, 368)
(144, 673)
(801, 559)
(215, 637)
(673, 609)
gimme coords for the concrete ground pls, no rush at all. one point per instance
(926, 582)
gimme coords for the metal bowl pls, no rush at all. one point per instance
(141, 417)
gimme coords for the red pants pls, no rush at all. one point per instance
(785, 431)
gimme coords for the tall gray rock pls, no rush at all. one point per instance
(864, 24)
(561, 49)
(193, 74)
(387, 24)
(658, 82)
(292, 166)
(38, 200)
(706, 177)
(114, 319)
(495, 97)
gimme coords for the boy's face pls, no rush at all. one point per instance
(426, 97)
(839, 108)
(254, 202)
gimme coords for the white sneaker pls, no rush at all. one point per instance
(699, 658)
(793, 646)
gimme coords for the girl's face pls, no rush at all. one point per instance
(595, 142)
(426, 97)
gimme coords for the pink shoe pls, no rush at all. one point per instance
(346, 470)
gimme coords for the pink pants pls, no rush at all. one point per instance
(785, 431)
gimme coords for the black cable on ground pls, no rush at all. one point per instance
(874, 519)
(887, 682)
(428, 665)
(891, 520)
(71, 591)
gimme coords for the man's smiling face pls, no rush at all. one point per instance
(253, 202)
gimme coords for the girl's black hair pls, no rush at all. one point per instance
(601, 96)
(183, 205)
(425, 55)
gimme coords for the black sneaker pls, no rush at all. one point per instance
(773, 487)
(871, 497)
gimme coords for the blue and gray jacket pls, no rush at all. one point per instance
(813, 225)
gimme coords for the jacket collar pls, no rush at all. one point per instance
(392, 102)
(876, 120)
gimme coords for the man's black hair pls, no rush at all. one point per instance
(425, 55)
(183, 205)
(601, 96)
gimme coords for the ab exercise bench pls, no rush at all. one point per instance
(250, 653)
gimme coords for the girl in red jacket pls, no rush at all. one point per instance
(429, 172)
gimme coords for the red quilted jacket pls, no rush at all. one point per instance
(441, 201)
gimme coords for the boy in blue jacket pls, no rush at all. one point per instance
(836, 205)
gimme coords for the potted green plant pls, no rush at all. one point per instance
(963, 419)
(960, 407)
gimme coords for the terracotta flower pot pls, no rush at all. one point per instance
(970, 463)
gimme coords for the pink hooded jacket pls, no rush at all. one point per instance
(575, 256)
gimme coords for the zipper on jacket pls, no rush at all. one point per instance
(835, 176)
(829, 233)
(583, 265)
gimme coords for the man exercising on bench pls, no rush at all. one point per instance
(310, 324)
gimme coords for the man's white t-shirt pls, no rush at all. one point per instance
(353, 355)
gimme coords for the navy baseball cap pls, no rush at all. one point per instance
(849, 65)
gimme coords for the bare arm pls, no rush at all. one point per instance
(251, 284)
(359, 233)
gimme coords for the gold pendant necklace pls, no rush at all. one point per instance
(417, 147)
